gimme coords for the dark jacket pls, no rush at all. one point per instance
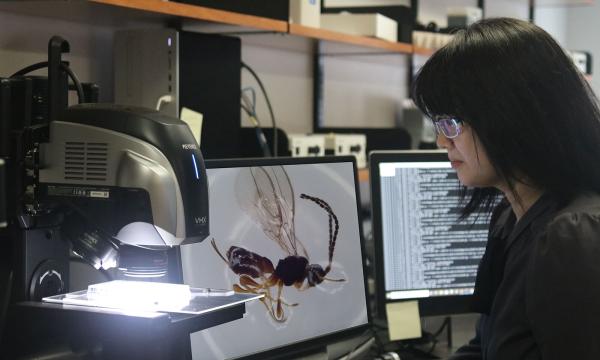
(538, 284)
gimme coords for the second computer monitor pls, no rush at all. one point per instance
(423, 251)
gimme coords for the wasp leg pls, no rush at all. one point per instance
(254, 287)
(274, 281)
(267, 300)
(214, 245)
(301, 286)
(279, 307)
(246, 280)
(274, 307)
(249, 285)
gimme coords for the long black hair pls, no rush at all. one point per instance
(534, 113)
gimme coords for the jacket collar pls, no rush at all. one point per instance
(536, 214)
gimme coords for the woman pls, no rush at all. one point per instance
(522, 128)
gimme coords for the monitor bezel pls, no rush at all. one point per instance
(430, 306)
(320, 342)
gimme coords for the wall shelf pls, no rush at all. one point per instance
(423, 51)
(363, 175)
(322, 34)
(199, 13)
(121, 12)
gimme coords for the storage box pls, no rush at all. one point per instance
(307, 145)
(582, 60)
(305, 12)
(348, 144)
(464, 16)
(430, 40)
(375, 25)
(397, 10)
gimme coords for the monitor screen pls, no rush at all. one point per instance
(289, 229)
(423, 251)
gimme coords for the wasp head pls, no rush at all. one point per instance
(315, 274)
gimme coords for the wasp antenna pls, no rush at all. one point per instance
(214, 245)
(334, 225)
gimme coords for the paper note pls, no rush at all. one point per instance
(403, 319)
(194, 121)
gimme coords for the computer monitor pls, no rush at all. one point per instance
(287, 228)
(423, 252)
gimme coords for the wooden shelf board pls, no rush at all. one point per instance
(423, 51)
(80, 11)
(363, 174)
(121, 12)
(322, 34)
(199, 13)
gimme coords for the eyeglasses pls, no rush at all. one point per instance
(448, 126)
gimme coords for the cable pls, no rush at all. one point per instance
(434, 342)
(165, 99)
(64, 67)
(249, 102)
(442, 327)
(406, 346)
(359, 349)
(31, 68)
(262, 88)
(260, 135)
(434, 336)
(249, 113)
(249, 106)
(361, 345)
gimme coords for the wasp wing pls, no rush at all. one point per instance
(267, 196)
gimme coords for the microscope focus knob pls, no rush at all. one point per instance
(47, 280)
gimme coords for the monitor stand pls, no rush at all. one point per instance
(335, 349)
(358, 345)
(320, 355)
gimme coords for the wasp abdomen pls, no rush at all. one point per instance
(242, 261)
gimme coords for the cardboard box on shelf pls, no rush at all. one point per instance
(375, 25)
(305, 12)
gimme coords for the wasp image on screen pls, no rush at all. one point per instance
(269, 199)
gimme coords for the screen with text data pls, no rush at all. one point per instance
(427, 251)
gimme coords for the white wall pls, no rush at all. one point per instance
(554, 21)
(24, 41)
(583, 29)
(575, 28)
(284, 65)
(436, 10)
(358, 90)
(507, 8)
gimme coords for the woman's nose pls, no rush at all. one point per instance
(443, 142)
